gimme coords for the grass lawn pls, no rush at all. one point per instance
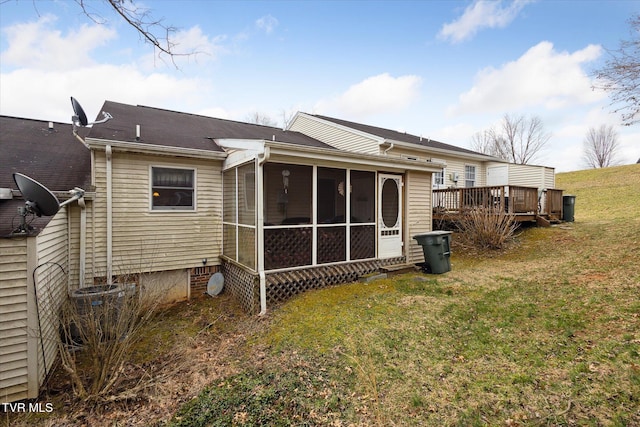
(544, 334)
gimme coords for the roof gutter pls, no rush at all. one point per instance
(337, 156)
(452, 153)
(161, 150)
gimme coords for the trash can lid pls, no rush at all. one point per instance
(433, 233)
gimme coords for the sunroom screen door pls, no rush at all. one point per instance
(389, 216)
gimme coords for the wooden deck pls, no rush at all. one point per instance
(525, 203)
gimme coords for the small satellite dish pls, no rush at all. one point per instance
(215, 284)
(39, 199)
(79, 117)
(79, 112)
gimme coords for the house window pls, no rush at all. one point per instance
(172, 189)
(469, 176)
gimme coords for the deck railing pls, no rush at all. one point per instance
(505, 198)
(553, 203)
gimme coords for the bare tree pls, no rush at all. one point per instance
(287, 117)
(259, 118)
(518, 139)
(483, 142)
(620, 76)
(152, 30)
(601, 146)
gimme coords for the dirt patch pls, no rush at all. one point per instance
(191, 345)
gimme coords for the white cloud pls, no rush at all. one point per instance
(191, 46)
(43, 94)
(42, 68)
(377, 94)
(481, 14)
(267, 23)
(540, 77)
(38, 45)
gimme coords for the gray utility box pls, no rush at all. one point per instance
(568, 208)
(436, 246)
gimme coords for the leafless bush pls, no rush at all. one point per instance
(99, 327)
(483, 228)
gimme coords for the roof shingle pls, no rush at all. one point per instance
(184, 130)
(400, 136)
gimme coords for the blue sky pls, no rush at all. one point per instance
(441, 69)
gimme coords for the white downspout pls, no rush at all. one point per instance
(109, 216)
(83, 240)
(389, 148)
(260, 228)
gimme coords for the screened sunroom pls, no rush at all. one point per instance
(312, 215)
(295, 219)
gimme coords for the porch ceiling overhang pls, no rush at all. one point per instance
(243, 150)
(159, 150)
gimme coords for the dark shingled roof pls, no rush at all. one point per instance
(400, 136)
(184, 130)
(53, 157)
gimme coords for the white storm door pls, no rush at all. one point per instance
(389, 216)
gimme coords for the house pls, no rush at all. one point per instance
(466, 176)
(37, 264)
(172, 198)
(181, 196)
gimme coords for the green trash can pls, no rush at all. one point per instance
(436, 246)
(568, 208)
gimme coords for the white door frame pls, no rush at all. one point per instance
(389, 235)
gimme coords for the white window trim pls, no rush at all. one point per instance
(195, 190)
(475, 175)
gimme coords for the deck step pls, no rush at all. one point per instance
(398, 269)
(542, 222)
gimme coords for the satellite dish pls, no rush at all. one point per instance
(79, 117)
(39, 199)
(79, 112)
(215, 284)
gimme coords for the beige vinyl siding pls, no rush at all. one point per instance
(13, 319)
(334, 135)
(531, 176)
(146, 240)
(51, 286)
(418, 209)
(453, 165)
(549, 177)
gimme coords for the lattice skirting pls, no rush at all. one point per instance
(281, 286)
(243, 284)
